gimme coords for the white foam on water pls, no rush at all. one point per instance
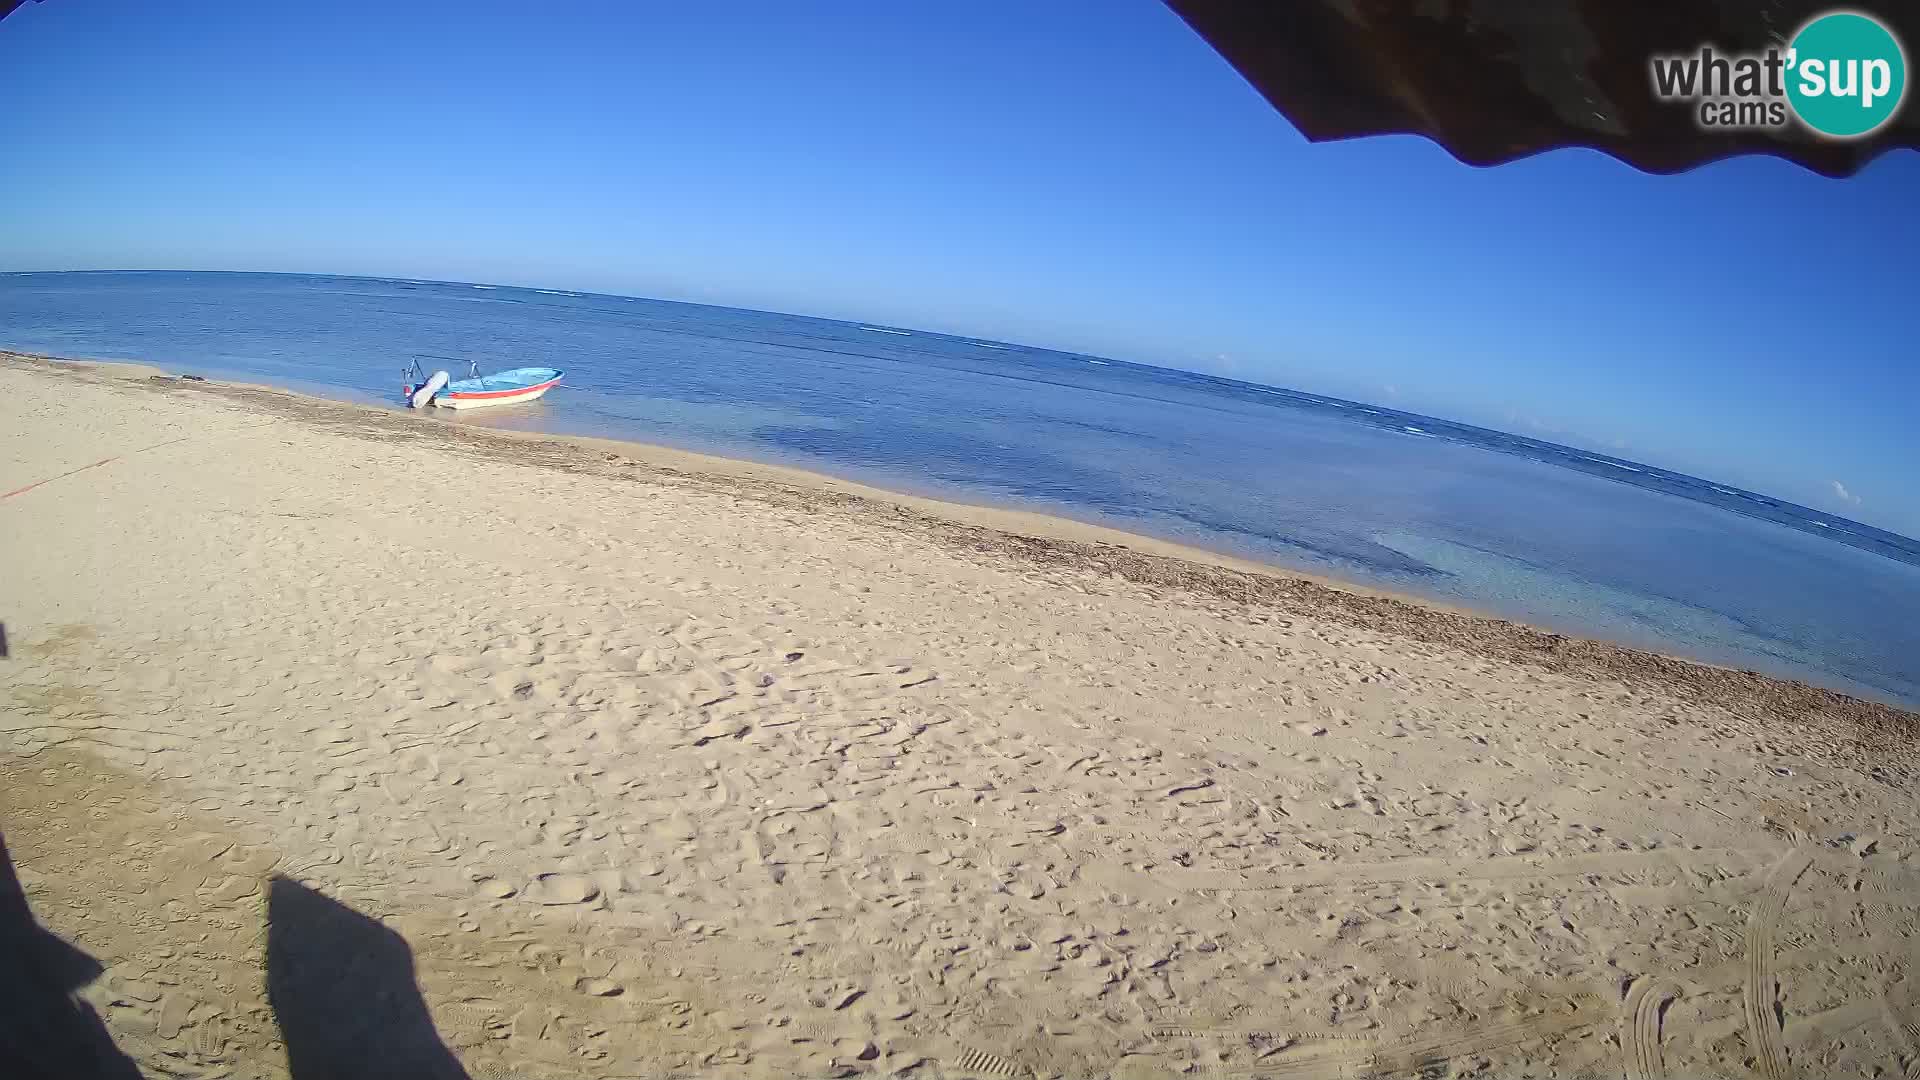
(1102, 363)
(1615, 464)
(884, 330)
(986, 345)
(489, 287)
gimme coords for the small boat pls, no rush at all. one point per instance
(477, 390)
(501, 388)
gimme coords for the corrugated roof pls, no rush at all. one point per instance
(1495, 80)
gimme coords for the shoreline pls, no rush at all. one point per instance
(1061, 543)
(668, 765)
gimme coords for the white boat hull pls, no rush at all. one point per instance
(481, 401)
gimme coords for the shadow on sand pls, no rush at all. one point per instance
(45, 1030)
(342, 986)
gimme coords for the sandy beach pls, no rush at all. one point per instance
(337, 741)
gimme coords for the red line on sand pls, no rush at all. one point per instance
(84, 468)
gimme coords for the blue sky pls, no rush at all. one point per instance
(1089, 176)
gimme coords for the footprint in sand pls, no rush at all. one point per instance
(561, 889)
(174, 1009)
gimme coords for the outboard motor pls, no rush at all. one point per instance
(431, 387)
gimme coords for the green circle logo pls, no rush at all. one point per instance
(1846, 74)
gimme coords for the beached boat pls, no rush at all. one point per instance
(502, 388)
(477, 391)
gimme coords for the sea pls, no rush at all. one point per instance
(1576, 541)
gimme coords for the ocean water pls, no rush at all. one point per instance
(1579, 542)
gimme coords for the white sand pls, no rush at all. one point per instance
(661, 771)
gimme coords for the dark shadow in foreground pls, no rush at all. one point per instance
(47, 1033)
(342, 988)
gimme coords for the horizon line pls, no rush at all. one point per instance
(1605, 457)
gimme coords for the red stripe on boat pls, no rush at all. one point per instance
(472, 394)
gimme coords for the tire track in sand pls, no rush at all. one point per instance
(1907, 1030)
(1640, 1027)
(1421, 869)
(1763, 1027)
(979, 1061)
(1326, 1058)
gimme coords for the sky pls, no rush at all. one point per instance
(1080, 175)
